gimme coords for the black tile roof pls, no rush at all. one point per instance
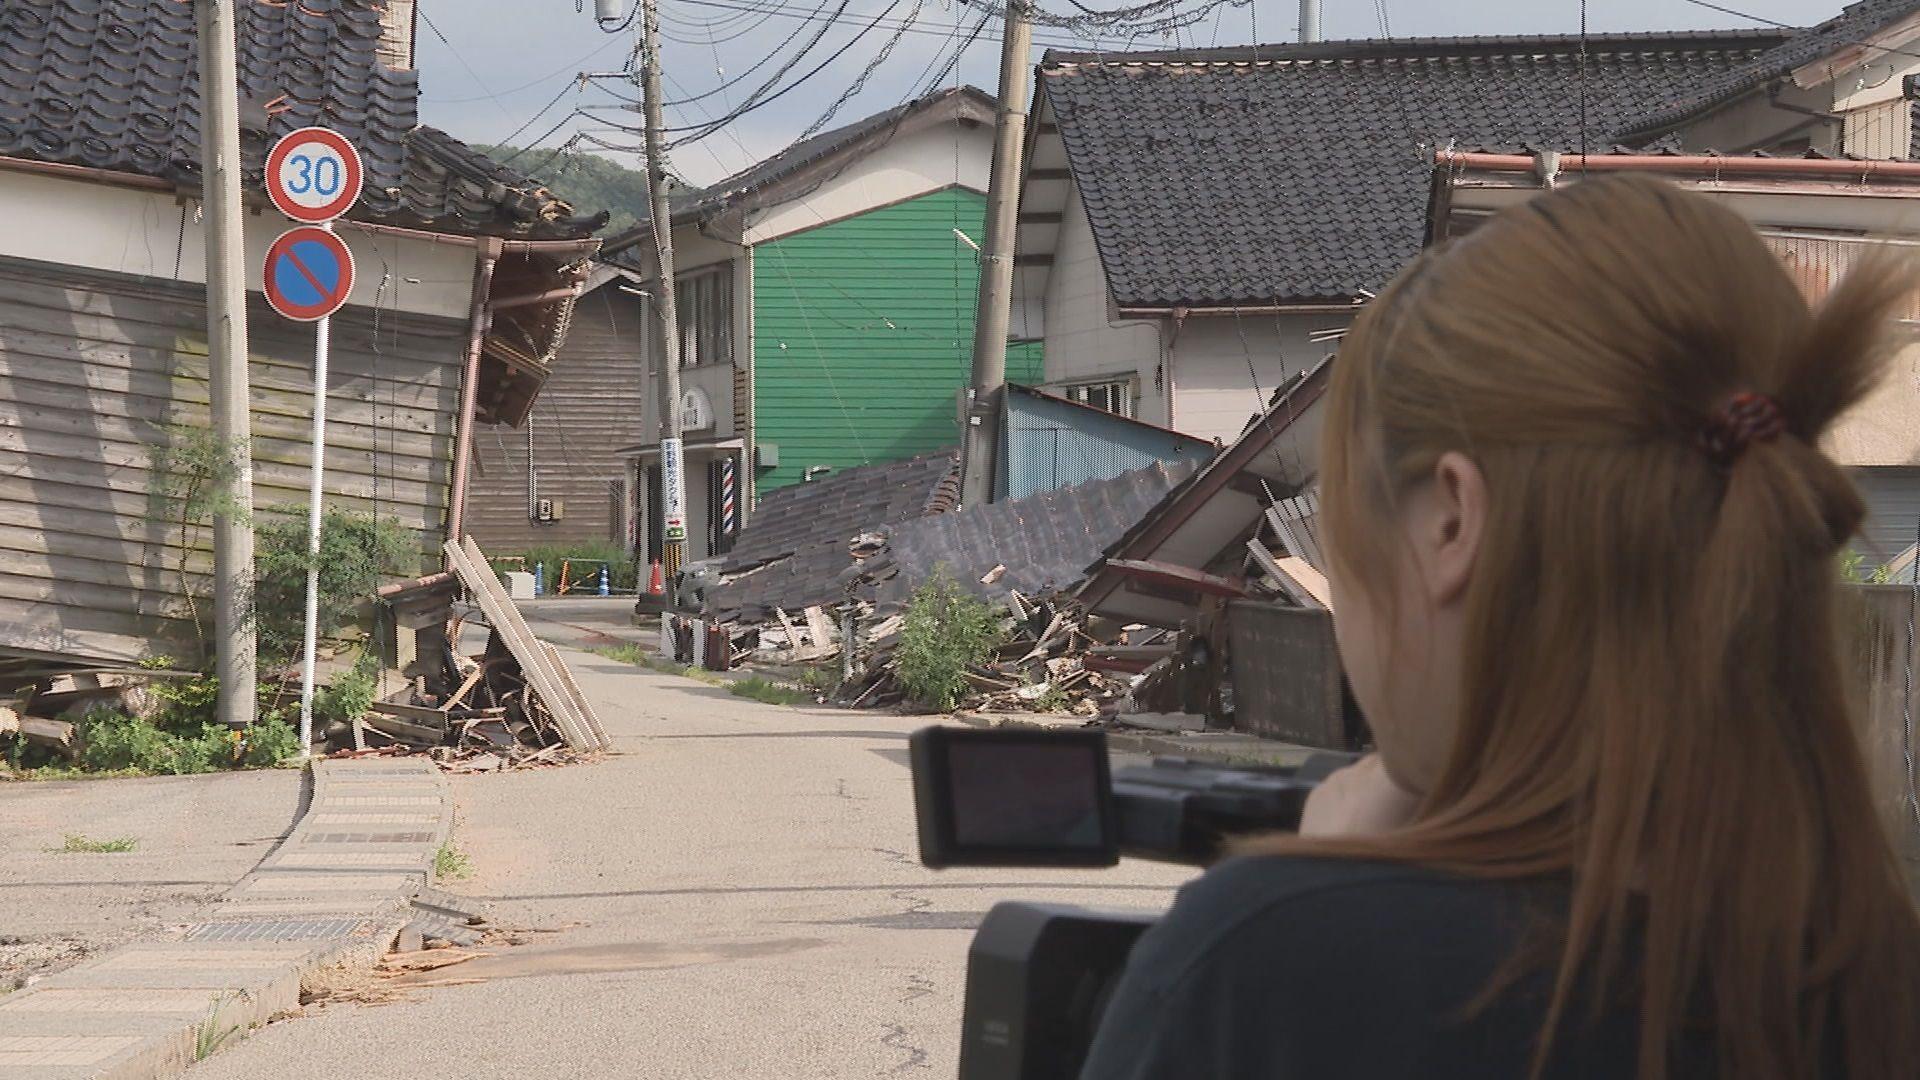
(694, 203)
(1300, 173)
(796, 543)
(1853, 25)
(114, 85)
(1047, 541)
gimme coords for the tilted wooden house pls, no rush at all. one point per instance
(466, 275)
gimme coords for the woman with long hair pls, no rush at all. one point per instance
(1583, 549)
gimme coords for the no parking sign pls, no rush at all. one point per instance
(309, 274)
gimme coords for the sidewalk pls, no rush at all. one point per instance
(332, 892)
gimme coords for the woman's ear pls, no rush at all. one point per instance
(1448, 520)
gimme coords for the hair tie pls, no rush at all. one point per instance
(1745, 418)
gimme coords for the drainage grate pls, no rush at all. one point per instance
(281, 930)
(367, 838)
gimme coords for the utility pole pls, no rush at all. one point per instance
(1309, 20)
(227, 358)
(672, 467)
(980, 442)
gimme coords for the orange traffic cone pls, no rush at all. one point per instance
(656, 585)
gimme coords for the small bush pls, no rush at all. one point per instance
(450, 863)
(947, 632)
(585, 582)
(115, 741)
(270, 741)
(356, 552)
(351, 692)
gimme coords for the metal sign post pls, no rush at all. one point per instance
(313, 176)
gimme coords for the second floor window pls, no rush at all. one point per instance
(1114, 397)
(704, 302)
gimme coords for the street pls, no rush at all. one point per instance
(740, 897)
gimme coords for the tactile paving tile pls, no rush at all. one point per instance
(280, 930)
(337, 820)
(305, 884)
(50, 999)
(353, 859)
(27, 1051)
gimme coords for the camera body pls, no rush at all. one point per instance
(1039, 975)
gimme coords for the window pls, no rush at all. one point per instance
(1114, 397)
(704, 302)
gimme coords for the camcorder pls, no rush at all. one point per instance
(1039, 976)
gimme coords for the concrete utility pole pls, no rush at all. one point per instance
(980, 441)
(672, 475)
(227, 357)
(1309, 20)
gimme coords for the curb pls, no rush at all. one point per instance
(332, 894)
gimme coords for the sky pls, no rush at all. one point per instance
(496, 71)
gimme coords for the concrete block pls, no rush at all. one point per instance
(519, 585)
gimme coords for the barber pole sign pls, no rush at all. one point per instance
(726, 498)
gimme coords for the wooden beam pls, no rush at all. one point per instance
(1175, 578)
(1049, 174)
(1033, 260)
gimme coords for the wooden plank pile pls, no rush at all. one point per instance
(513, 705)
(1047, 662)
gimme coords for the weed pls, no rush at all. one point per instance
(824, 680)
(86, 845)
(450, 863)
(772, 693)
(947, 631)
(209, 1037)
(641, 657)
(584, 575)
(1053, 699)
(351, 693)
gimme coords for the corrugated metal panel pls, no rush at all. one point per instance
(1818, 264)
(1892, 494)
(97, 370)
(1051, 444)
(1879, 131)
(863, 335)
(589, 408)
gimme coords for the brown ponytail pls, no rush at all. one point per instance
(1653, 698)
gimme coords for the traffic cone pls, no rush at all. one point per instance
(656, 584)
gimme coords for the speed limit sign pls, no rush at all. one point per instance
(313, 175)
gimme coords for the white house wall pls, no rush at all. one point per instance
(1082, 343)
(151, 234)
(1215, 391)
(911, 164)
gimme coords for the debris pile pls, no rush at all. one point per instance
(513, 705)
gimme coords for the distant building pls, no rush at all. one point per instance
(1198, 226)
(825, 305)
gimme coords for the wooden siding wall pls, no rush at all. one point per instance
(863, 335)
(588, 410)
(97, 371)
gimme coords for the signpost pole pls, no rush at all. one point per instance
(310, 636)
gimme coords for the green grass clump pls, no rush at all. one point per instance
(77, 843)
(772, 693)
(450, 863)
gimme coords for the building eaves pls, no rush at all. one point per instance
(790, 163)
(113, 85)
(1852, 26)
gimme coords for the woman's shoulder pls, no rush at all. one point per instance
(1347, 912)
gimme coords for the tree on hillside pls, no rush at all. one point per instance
(589, 182)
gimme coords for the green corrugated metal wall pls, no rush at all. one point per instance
(863, 332)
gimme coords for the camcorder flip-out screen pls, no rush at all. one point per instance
(1005, 797)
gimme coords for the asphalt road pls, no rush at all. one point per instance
(741, 899)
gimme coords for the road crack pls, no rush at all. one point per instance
(898, 1038)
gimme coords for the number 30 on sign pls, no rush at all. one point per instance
(313, 175)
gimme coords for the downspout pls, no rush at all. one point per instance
(1169, 338)
(488, 255)
(749, 454)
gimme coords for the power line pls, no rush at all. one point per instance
(1789, 26)
(477, 81)
(936, 29)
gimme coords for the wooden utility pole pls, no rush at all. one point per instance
(227, 357)
(980, 442)
(672, 466)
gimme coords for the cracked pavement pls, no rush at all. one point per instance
(734, 892)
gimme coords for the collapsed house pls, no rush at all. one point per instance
(466, 279)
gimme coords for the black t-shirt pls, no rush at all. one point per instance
(1322, 969)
